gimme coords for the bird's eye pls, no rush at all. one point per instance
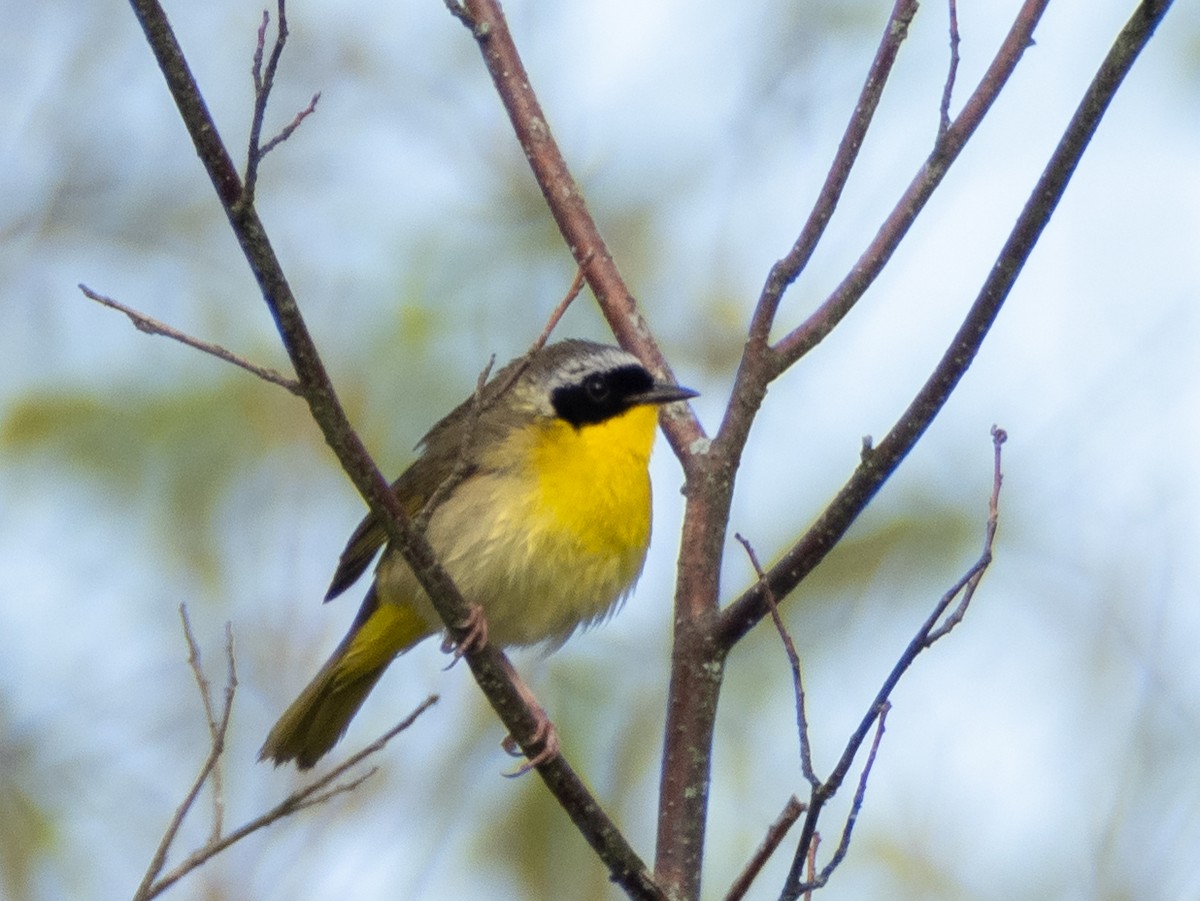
(597, 388)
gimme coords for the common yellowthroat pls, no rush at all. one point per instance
(545, 524)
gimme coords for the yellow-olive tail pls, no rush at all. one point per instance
(315, 721)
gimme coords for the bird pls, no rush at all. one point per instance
(539, 488)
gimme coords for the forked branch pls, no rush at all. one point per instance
(155, 881)
(936, 625)
(879, 463)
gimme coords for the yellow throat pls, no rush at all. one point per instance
(594, 483)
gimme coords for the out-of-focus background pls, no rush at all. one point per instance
(1047, 750)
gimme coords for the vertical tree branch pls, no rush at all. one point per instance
(699, 651)
(951, 71)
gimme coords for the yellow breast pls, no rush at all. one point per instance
(550, 540)
(593, 482)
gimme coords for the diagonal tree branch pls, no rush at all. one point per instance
(788, 269)
(488, 26)
(488, 664)
(947, 148)
(775, 834)
(878, 464)
(762, 363)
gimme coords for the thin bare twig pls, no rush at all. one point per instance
(812, 862)
(316, 792)
(462, 469)
(820, 792)
(256, 65)
(806, 858)
(775, 834)
(557, 314)
(217, 729)
(806, 766)
(881, 703)
(461, 466)
(286, 131)
(975, 575)
(951, 74)
(218, 726)
(517, 368)
(151, 326)
(264, 81)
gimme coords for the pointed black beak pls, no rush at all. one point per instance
(664, 393)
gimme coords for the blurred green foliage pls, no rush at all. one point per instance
(30, 837)
(175, 451)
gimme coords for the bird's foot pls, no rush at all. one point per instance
(544, 734)
(475, 635)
